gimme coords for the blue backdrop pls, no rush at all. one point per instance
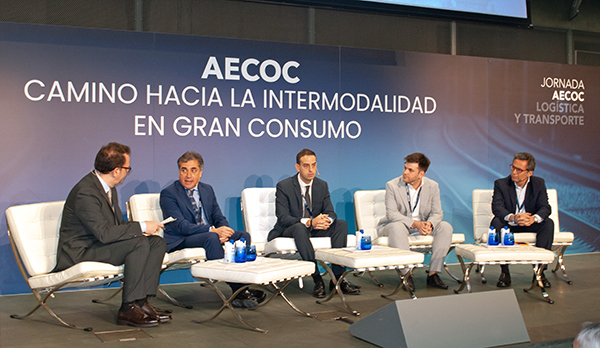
(249, 106)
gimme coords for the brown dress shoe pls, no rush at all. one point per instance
(152, 313)
(134, 316)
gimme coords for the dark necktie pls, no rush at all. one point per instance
(307, 198)
(198, 215)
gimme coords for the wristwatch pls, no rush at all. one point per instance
(536, 219)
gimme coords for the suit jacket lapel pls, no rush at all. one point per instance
(298, 193)
(529, 196)
(424, 209)
(512, 194)
(203, 209)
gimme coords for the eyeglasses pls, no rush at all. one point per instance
(518, 170)
(128, 169)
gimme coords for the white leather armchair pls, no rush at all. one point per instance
(33, 230)
(146, 207)
(482, 217)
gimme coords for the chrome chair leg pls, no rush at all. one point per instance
(227, 304)
(42, 303)
(97, 300)
(458, 280)
(482, 273)
(467, 272)
(338, 290)
(538, 269)
(560, 263)
(404, 282)
(173, 300)
(279, 292)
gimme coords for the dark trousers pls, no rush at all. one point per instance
(142, 258)
(210, 242)
(544, 233)
(213, 247)
(338, 232)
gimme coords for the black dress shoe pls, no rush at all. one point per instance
(545, 281)
(259, 295)
(353, 286)
(346, 287)
(319, 290)
(151, 311)
(411, 284)
(504, 280)
(134, 316)
(245, 300)
(435, 281)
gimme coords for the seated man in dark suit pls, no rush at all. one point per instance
(520, 202)
(304, 210)
(92, 229)
(199, 222)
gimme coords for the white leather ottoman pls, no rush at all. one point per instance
(376, 259)
(501, 255)
(262, 271)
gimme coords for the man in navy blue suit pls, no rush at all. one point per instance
(520, 201)
(199, 222)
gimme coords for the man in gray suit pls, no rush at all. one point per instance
(92, 229)
(413, 207)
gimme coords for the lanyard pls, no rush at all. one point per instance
(519, 207)
(412, 209)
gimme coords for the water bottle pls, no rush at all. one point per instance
(359, 238)
(240, 250)
(229, 251)
(508, 237)
(493, 236)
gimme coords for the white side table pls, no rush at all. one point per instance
(503, 255)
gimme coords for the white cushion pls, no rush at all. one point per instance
(92, 271)
(184, 255)
(34, 228)
(377, 257)
(479, 253)
(261, 271)
(146, 207)
(482, 217)
(369, 208)
(287, 245)
(258, 210)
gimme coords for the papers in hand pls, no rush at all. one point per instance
(167, 220)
